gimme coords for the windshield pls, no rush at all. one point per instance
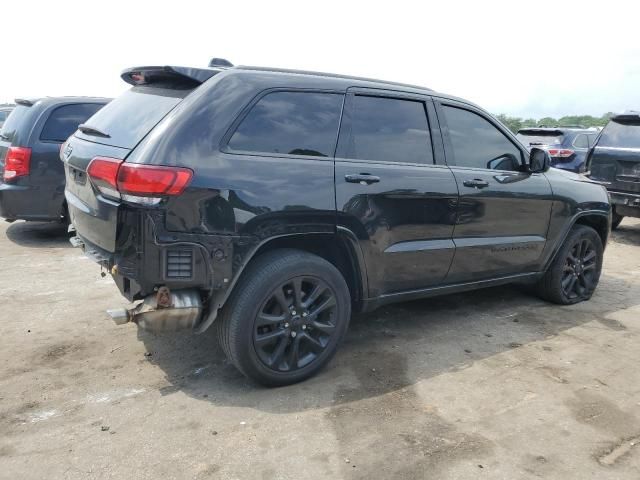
(621, 135)
(128, 118)
(540, 139)
(13, 122)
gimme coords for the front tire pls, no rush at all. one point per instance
(574, 273)
(285, 318)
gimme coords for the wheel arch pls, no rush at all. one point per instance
(598, 220)
(341, 249)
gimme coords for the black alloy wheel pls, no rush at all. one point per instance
(580, 269)
(574, 273)
(286, 317)
(295, 324)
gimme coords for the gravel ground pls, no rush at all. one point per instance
(488, 384)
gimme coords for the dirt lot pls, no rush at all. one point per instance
(491, 384)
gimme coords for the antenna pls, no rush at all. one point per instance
(220, 62)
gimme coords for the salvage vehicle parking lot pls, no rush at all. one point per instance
(487, 384)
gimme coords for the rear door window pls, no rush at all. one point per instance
(128, 118)
(389, 130)
(477, 143)
(64, 120)
(620, 135)
(292, 123)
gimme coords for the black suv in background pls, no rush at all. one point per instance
(567, 146)
(615, 161)
(273, 203)
(31, 175)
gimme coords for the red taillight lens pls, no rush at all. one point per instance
(17, 163)
(562, 153)
(152, 180)
(113, 177)
(565, 153)
(104, 174)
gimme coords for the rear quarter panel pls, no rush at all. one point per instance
(238, 194)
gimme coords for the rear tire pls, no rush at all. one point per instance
(573, 275)
(286, 317)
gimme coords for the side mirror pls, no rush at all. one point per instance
(539, 160)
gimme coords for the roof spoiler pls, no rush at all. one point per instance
(627, 117)
(184, 77)
(25, 102)
(540, 131)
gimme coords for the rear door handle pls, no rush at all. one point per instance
(476, 183)
(362, 178)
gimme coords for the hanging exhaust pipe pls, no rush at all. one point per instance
(164, 311)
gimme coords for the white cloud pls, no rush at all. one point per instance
(526, 58)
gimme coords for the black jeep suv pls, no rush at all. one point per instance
(615, 161)
(273, 203)
(32, 178)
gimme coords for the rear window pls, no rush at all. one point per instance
(622, 135)
(294, 123)
(13, 121)
(64, 120)
(128, 118)
(538, 138)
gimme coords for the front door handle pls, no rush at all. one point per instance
(362, 178)
(476, 183)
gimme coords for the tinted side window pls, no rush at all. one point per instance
(390, 130)
(477, 143)
(581, 141)
(296, 123)
(592, 139)
(63, 121)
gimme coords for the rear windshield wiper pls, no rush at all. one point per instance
(89, 130)
(4, 137)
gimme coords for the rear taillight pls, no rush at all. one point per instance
(134, 182)
(151, 180)
(103, 172)
(17, 163)
(560, 152)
